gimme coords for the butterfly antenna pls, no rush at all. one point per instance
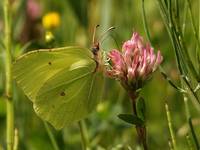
(94, 33)
(117, 44)
(114, 39)
(103, 34)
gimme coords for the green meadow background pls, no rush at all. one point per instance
(105, 130)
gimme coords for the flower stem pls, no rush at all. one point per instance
(84, 135)
(170, 145)
(8, 72)
(51, 136)
(141, 130)
(169, 120)
(16, 140)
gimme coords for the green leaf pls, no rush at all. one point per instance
(141, 109)
(61, 83)
(132, 119)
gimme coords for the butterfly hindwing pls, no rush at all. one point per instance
(69, 96)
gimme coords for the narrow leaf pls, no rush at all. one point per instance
(141, 109)
(132, 119)
(171, 82)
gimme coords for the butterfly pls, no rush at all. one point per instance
(64, 84)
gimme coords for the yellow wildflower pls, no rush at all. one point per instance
(51, 20)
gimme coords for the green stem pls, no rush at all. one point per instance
(194, 134)
(189, 142)
(182, 57)
(198, 48)
(16, 140)
(145, 22)
(169, 120)
(170, 145)
(192, 22)
(187, 111)
(51, 136)
(199, 20)
(10, 124)
(84, 135)
(8, 72)
(141, 130)
(184, 17)
(177, 10)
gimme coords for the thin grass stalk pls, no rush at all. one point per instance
(174, 32)
(192, 94)
(187, 111)
(193, 24)
(183, 49)
(149, 37)
(177, 10)
(191, 66)
(16, 140)
(199, 20)
(198, 49)
(168, 23)
(169, 120)
(164, 16)
(189, 142)
(180, 42)
(193, 134)
(84, 135)
(170, 145)
(185, 11)
(144, 18)
(175, 42)
(51, 136)
(168, 26)
(178, 47)
(8, 72)
(188, 116)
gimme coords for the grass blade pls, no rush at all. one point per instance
(193, 133)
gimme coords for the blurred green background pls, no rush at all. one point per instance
(77, 21)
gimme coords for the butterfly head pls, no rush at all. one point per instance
(95, 49)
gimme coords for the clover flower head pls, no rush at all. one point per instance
(135, 63)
